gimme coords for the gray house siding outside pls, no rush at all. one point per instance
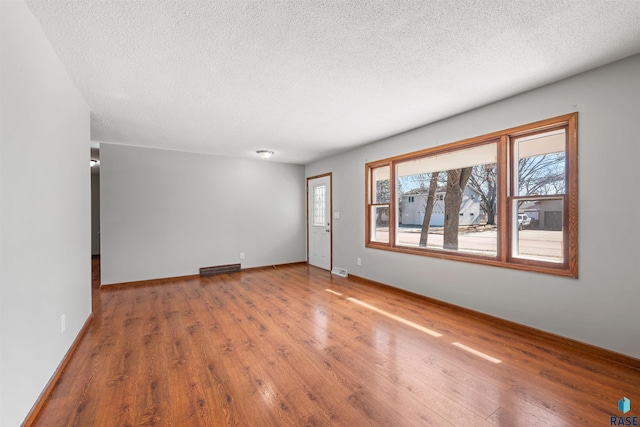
(414, 202)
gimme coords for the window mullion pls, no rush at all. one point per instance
(392, 204)
(503, 199)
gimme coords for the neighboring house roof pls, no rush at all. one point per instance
(535, 205)
(417, 191)
(423, 191)
(528, 206)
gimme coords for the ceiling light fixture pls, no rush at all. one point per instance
(93, 162)
(265, 154)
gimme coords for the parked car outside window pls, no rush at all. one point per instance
(523, 221)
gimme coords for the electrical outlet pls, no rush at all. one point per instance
(241, 255)
(63, 323)
(359, 261)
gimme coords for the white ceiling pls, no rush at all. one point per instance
(311, 78)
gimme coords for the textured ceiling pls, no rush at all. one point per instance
(312, 78)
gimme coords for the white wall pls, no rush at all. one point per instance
(168, 213)
(602, 307)
(45, 246)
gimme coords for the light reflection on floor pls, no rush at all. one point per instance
(320, 324)
(435, 334)
(477, 353)
(394, 317)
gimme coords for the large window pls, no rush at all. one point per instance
(507, 199)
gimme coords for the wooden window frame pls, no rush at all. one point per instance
(505, 159)
(370, 204)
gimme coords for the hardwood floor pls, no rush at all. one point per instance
(296, 346)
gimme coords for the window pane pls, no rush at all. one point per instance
(541, 164)
(538, 231)
(319, 205)
(380, 224)
(449, 201)
(380, 191)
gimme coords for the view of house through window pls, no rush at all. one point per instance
(509, 199)
(540, 184)
(454, 201)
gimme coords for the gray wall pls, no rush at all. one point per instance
(168, 213)
(602, 307)
(45, 241)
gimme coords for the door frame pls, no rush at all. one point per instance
(306, 192)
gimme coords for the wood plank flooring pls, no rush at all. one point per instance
(295, 346)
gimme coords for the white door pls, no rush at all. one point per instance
(319, 219)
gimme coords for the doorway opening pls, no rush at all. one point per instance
(95, 225)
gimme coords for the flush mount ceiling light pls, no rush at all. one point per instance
(265, 154)
(93, 162)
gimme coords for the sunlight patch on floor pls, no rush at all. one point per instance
(477, 353)
(398, 318)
